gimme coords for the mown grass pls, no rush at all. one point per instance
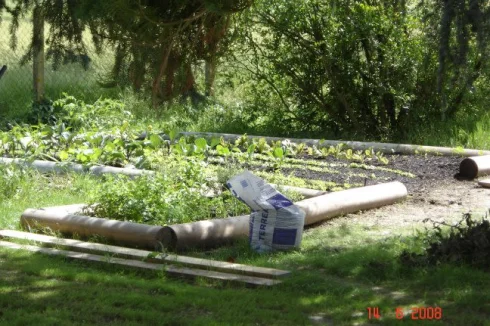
(337, 274)
(335, 285)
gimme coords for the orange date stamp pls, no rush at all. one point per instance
(415, 313)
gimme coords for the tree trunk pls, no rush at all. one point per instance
(38, 53)
(155, 91)
(210, 74)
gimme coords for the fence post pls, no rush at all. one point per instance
(38, 53)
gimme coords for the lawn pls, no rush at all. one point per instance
(339, 272)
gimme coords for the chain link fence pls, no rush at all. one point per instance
(17, 85)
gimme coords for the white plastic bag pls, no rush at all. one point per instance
(275, 222)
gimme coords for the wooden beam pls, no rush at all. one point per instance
(147, 255)
(484, 183)
(172, 270)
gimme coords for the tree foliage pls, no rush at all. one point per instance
(351, 67)
(342, 68)
(156, 42)
(366, 68)
(464, 35)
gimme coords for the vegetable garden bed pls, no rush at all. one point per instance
(187, 167)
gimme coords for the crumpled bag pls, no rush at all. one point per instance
(275, 222)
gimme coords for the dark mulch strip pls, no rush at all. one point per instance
(428, 171)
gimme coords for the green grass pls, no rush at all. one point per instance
(337, 274)
(31, 189)
(337, 279)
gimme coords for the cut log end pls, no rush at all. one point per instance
(468, 168)
(169, 238)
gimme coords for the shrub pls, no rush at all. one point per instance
(175, 195)
(467, 242)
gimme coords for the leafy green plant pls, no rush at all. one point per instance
(176, 195)
(278, 154)
(250, 152)
(222, 150)
(261, 145)
(76, 114)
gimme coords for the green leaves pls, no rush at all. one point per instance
(343, 69)
(172, 134)
(201, 145)
(278, 152)
(63, 155)
(170, 197)
(223, 151)
(214, 142)
(155, 141)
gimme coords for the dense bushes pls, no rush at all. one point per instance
(347, 69)
(363, 70)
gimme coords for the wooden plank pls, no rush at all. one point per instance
(143, 254)
(484, 183)
(173, 270)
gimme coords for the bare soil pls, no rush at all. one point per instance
(436, 192)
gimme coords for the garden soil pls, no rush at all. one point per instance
(436, 193)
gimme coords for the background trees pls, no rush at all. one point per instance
(368, 68)
(353, 69)
(156, 42)
(350, 66)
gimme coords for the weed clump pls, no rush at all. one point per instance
(177, 195)
(465, 243)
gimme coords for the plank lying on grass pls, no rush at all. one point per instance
(143, 254)
(173, 270)
(484, 183)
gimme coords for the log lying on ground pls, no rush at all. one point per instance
(387, 148)
(45, 166)
(217, 231)
(207, 233)
(352, 200)
(56, 167)
(211, 232)
(135, 234)
(305, 192)
(484, 183)
(472, 167)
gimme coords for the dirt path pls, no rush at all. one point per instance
(446, 200)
